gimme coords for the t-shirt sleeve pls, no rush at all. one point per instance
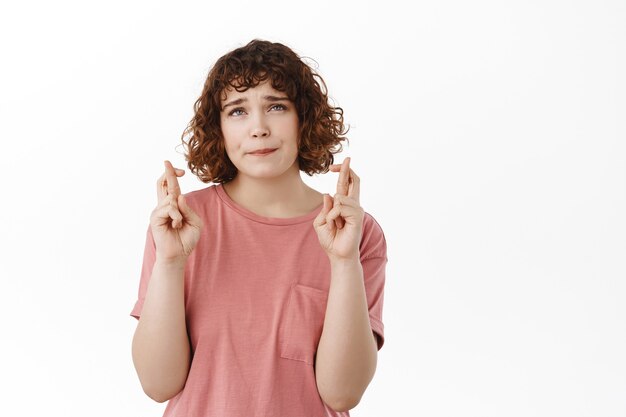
(373, 250)
(149, 257)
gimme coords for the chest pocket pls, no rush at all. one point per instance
(302, 323)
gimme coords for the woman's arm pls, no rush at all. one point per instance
(160, 347)
(347, 352)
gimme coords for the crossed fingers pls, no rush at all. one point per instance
(348, 185)
(169, 189)
(167, 183)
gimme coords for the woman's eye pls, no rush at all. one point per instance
(234, 112)
(239, 110)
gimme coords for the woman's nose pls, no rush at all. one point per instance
(259, 127)
(260, 132)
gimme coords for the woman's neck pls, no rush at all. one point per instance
(283, 197)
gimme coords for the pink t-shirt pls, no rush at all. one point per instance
(255, 300)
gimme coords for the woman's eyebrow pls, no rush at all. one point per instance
(242, 100)
(275, 98)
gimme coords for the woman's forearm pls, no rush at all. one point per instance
(160, 347)
(347, 352)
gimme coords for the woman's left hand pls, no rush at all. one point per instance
(340, 223)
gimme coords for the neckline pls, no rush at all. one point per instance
(278, 221)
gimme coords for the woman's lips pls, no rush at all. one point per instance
(262, 153)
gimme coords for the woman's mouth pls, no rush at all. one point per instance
(262, 152)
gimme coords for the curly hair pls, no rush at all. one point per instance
(321, 127)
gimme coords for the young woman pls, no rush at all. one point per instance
(258, 295)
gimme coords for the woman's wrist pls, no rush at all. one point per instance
(344, 262)
(173, 264)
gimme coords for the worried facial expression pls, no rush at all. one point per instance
(260, 118)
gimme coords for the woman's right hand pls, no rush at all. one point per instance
(175, 226)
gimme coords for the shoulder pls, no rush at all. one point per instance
(201, 196)
(373, 242)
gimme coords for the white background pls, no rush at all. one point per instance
(490, 141)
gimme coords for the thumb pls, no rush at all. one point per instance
(187, 211)
(328, 203)
(321, 217)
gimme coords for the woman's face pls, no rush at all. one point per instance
(260, 118)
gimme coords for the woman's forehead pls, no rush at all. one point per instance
(264, 87)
